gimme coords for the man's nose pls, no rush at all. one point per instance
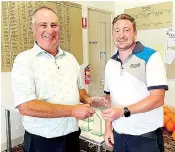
(121, 34)
(50, 30)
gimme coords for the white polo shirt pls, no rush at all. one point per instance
(130, 81)
(39, 75)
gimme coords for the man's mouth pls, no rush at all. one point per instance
(49, 37)
(121, 41)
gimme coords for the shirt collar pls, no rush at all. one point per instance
(39, 50)
(138, 48)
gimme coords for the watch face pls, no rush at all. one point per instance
(127, 113)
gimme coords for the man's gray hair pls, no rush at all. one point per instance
(41, 8)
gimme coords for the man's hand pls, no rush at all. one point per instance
(109, 138)
(82, 111)
(112, 113)
(98, 102)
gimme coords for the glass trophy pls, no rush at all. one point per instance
(98, 124)
(86, 124)
(97, 91)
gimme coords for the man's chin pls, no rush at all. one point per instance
(49, 48)
(123, 48)
(51, 45)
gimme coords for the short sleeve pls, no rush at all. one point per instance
(155, 73)
(80, 83)
(106, 87)
(23, 86)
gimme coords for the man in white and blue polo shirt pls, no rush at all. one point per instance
(135, 84)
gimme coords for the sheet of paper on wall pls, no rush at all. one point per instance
(171, 44)
(170, 48)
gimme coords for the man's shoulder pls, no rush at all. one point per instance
(146, 53)
(149, 50)
(25, 55)
(69, 55)
(27, 52)
(111, 63)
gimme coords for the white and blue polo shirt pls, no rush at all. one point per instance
(130, 81)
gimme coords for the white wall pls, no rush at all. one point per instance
(157, 36)
(104, 5)
(17, 130)
(170, 95)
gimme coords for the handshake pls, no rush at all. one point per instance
(83, 111)
(98, 102)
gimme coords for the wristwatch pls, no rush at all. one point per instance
(127, 113)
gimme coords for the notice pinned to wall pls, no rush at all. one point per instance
(152, 16)
(170, 54)
(170, 48)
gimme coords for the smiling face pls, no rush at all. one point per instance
(124, 35)
(46, 30)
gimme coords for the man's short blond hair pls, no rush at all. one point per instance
(125, 17)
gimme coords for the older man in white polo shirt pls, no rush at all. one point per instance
(47, 89)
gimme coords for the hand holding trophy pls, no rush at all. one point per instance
(99, 102)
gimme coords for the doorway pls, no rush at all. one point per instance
(99, 39)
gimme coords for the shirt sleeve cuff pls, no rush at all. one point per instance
(106, 92)
(158, 87)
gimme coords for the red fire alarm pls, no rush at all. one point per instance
(84, 22)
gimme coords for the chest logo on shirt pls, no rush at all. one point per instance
(135, 65)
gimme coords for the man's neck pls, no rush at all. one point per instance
(54, 52)
(125, 53)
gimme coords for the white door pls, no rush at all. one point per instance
(99, 36)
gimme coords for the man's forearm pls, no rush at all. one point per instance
(108, 125)
(42, 109)
(149, 103)
(84, 97)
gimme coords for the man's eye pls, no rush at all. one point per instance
(126, 30)
(116, 31)
(54, 25)
(43, 25)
